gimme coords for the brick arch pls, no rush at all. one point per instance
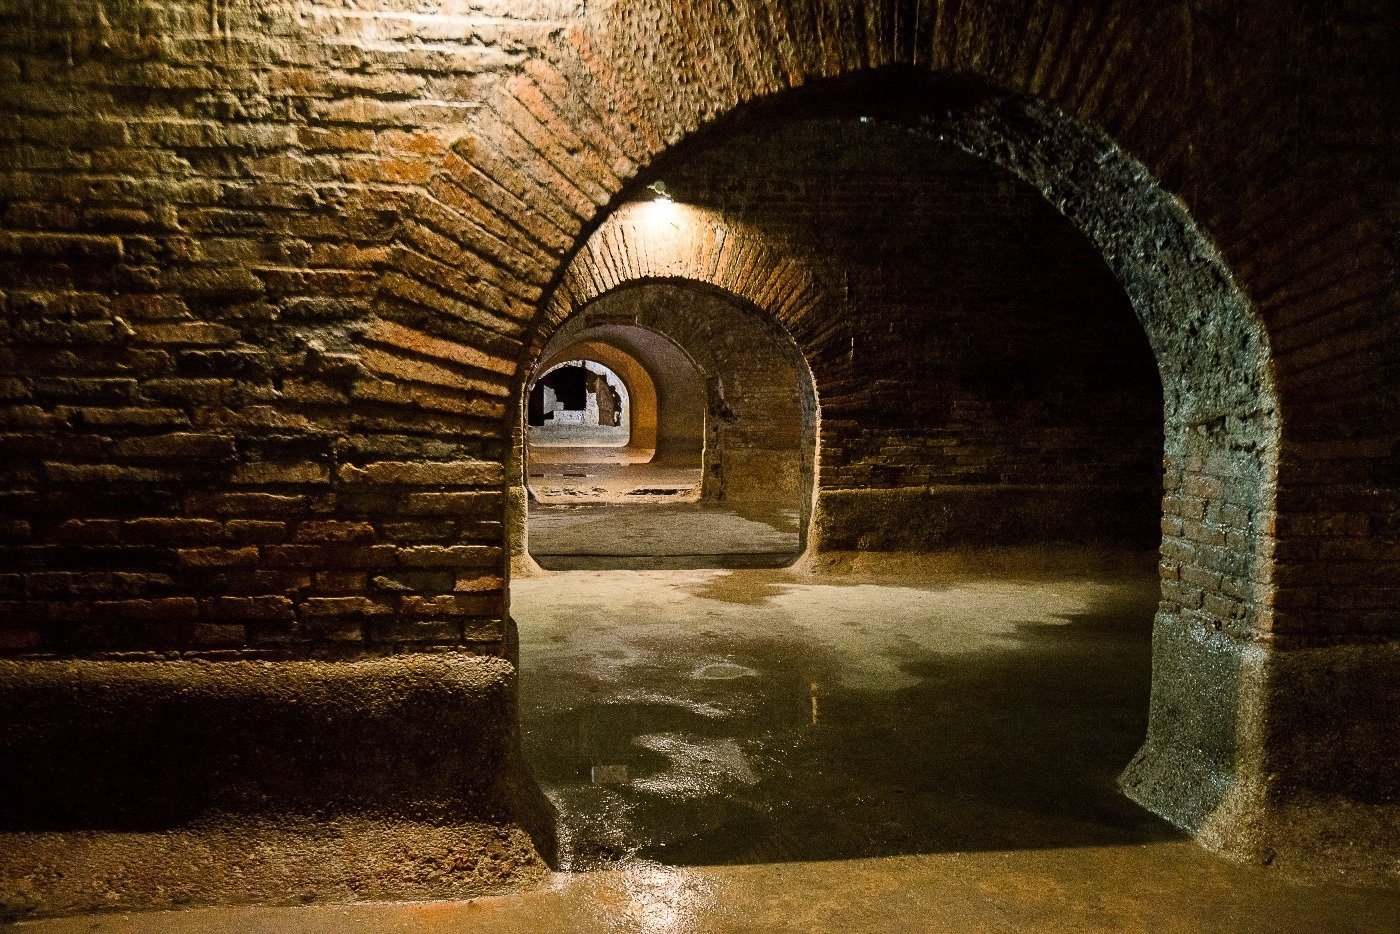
(655, 240)
(640, 384)
(744, 284)
(485, 247)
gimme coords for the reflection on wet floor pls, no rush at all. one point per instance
(972, 726)
(817, 721)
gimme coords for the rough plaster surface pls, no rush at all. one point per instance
(253, 861)
(157, 743)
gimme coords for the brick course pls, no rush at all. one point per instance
(252, 253)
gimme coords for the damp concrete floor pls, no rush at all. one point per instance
(569, 481)
(565, 435)
(587, 511)
(894, 746)
(547, 456)
(659, 535)
(713, 717)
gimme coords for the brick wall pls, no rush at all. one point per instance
(194, 203)
(973, 340)
(200, 202)
(271, 274)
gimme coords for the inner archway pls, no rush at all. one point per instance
(720, 466)
(667, 419)
(985, 517)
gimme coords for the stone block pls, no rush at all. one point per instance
(159, 744)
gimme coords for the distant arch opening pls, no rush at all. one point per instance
(720, 456)
(579, 402)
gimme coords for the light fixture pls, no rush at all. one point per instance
(661, 213)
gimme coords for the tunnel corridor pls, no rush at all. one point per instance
(966, 379)
(672, 467)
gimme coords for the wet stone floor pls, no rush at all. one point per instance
(661, 535)
(909, 749)
(587, 513)
(732, 717)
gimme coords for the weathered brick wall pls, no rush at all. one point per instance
(194, 202)
(976, 358)
(197, 198)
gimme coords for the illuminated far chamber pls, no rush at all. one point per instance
(579, 403)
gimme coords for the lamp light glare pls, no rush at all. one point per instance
(661, 211)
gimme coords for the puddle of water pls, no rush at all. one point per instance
(774, 754)
(723, 671)
(696, 767)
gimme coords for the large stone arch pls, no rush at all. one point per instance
(1061, 99)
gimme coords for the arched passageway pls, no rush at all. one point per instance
(668, 419)
(273, 301)
(1220, 424)
(1201, 765)
(983, 384)
(579, 403)
(728, 478)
